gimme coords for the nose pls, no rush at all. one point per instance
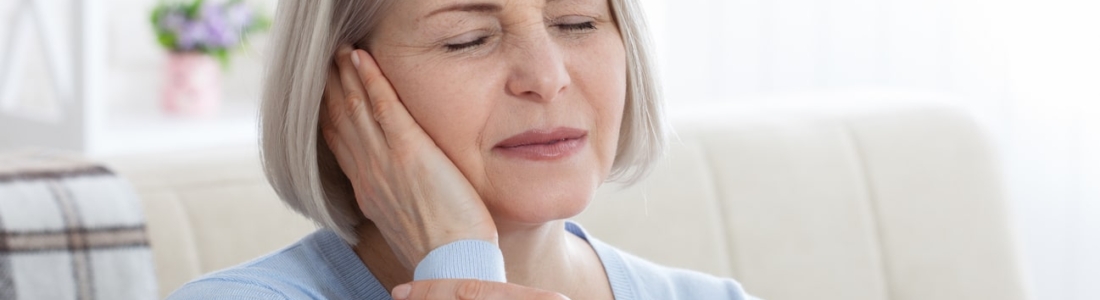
(538, 71)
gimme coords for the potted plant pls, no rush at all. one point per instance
(200, 36)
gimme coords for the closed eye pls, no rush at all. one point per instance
(467, 45)
(577, 26)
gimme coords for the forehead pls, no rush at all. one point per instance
(423, 9)
(405, 16)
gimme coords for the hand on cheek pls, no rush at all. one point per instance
(403, 182)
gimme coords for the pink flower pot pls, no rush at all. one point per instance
(193, 86)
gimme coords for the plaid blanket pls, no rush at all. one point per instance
(70, 230)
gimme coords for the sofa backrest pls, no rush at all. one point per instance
(899, 201)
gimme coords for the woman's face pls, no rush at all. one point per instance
(525, 96)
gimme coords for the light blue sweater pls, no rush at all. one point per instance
(322, 266)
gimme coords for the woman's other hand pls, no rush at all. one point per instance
(402, 181)
(469, 289)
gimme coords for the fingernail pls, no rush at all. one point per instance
(355, 58)
(402, 291)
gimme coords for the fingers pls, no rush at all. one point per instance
(356, 102)
(397, 124)
(336, 127)
(469, 289)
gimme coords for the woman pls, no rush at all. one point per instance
(452, 148)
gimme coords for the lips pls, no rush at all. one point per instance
(542, 137)
(543, 145)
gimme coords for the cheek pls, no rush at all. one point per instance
(608, 123)
(601, 74)
(448, 108)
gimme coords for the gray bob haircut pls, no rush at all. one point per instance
(302, 169)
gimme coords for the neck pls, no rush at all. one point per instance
(543, 256)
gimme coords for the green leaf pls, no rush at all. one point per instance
(154, 17)
(260, 23)
(222, 55)
(194, 9)
(167, 40)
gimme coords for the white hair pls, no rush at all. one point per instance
(302, 169)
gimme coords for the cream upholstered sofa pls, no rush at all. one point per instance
(880, 201)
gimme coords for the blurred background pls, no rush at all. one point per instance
(93, 76)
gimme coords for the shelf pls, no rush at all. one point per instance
(146, 129)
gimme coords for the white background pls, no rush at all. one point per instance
(1030, 68)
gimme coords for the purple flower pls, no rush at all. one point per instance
(219, 34)
(211, 7)
(217, 25)
(193, 35)
(239, 16)
(173, 21)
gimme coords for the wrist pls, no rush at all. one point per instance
(463, 259)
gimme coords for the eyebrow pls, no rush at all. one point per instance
(467, 7)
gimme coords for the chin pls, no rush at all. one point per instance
(534, 199)
(524, 192)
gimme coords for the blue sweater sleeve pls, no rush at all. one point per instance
(464, 259)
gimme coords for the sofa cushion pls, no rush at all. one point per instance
(70, 230)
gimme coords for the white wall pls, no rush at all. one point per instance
(1030, 68)
(136, 61)
(94, 85)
